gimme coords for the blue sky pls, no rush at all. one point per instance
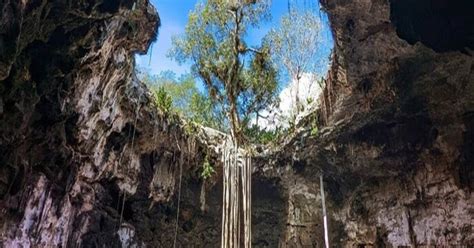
(174, 15)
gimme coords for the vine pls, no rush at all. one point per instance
(237, 180)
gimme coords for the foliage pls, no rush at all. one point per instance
(207, 169)
(295, 45)
(240, 80)
(259, 135)
(202, 111)
(184, 98)
(314, 130)
(163, 99)
(314, 126)
(296, 42)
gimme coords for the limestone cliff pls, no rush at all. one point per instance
(396, 149)
(79, 137)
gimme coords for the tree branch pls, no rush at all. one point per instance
(250, 49)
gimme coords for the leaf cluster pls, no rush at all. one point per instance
(163, 99)
(181, 96)
(240, 80)
(207, 169)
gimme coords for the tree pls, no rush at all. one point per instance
(202, 111)
(183, 97)
(239, 79)
(295, 46)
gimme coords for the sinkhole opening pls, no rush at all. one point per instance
(250, 70)
(270, 75)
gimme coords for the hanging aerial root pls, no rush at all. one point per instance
(237, 184)
(325, 219)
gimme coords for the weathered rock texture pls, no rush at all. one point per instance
(81, 142)
(87, 160)
(396, 149)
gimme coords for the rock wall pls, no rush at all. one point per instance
(396, 145)
(80, 139)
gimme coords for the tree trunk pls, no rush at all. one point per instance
(236, 131)
(297, 95)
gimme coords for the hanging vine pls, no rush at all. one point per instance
(236, 200)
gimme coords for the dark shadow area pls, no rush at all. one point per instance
(268, 213)
(442, 25)
(466, 172)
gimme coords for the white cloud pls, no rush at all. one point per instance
(280, 116)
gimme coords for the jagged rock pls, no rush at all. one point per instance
(398, 125)
(76, 124)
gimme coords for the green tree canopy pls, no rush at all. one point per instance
(182, 96)
(240, 79)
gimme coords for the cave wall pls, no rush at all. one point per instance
(396, 135)
(77, 126)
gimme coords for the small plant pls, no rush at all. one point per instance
(163, 100)
(207, 169)
(260, 135)
(314, 131)
(314, 127)
(190, 128)
(292, 124)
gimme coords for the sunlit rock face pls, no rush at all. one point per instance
(87, 161)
